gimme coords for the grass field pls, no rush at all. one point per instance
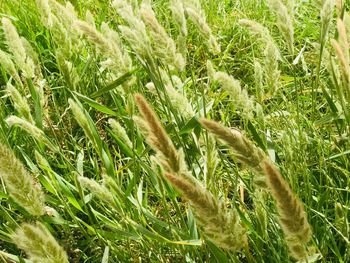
(174, 131)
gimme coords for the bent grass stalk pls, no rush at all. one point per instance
(133, 214)
(292, 216)
(220, 225)
(291, 213)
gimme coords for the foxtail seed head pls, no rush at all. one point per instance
(39, 244)
(164, 46)
(284, 22)
(120, 132)
(20, 102)
(156, 136)
(17, 49)
(31, 129)
(20, 184)
(291, 213)
(100, 191)
(195, 13)
(243, 149)
(326, 17)
(178, 12)
(219, 225)
(6, 62)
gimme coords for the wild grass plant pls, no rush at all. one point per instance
(174, 131)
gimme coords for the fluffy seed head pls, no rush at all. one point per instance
(344, 65)
(239, 96)
(17, 49)
(45, 11)
(259, 89)
(291, 213)
(219, 225)
(66, 14)
(272, 73)
(80, 117)
(13, 41)
(89, 18)
(93, 35)
(120, 132)
(196, 15)
(284, 22)
(244, 150)
(156, 136)
(343, 39)
(326, 17)
(20, 183)
(210, 69)
(178, 12)
(39, 244)
(30, 128)
(261, 32)
(173, 91)
(164, 46)
(6, 62)
(97, 189)
(20, 103)
(135, 33)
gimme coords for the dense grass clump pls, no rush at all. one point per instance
(174, 131)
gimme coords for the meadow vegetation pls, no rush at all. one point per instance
(174, 131)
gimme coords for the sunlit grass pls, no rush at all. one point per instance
(122, 183)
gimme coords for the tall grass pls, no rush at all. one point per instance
(110, 151)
